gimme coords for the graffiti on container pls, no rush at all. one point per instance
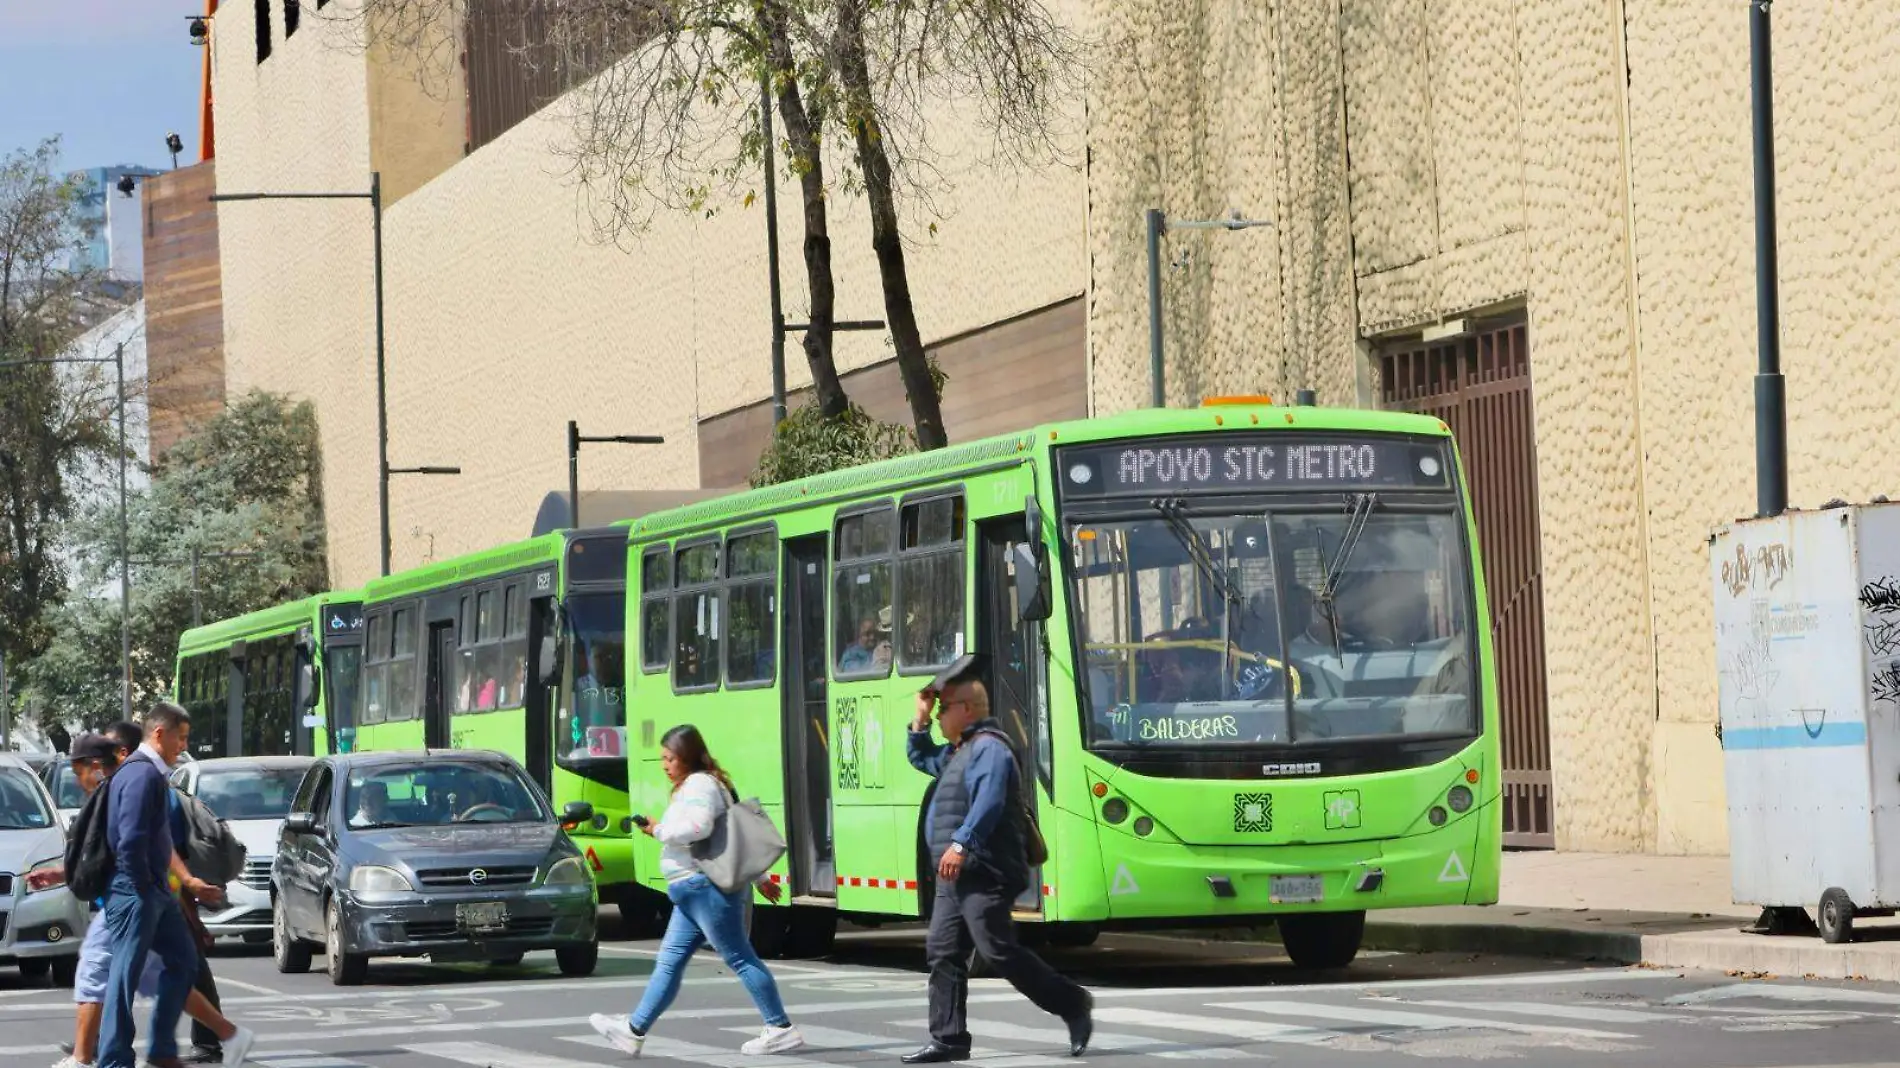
(1880, 599)
(1883, 638)
(1762, 569)
(1881, 596)
(1752, 671)
(1887, 683)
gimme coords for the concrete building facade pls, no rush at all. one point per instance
(1531, 216)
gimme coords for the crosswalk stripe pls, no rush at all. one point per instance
(1599, 1014)
(833, 1038)
(485, 1055)
(1240, 1030)
(1104, 1041)
(663, 1048)
(43, 1048)
(1395, 1018)
(301, 1058)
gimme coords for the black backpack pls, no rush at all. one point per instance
(89, 862)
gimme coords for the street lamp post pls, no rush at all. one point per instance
(117, 359)
(1771, 398)
(1159, 224)
(574, 442)
(375, 198)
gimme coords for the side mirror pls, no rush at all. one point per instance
(1032, 582)
(576, 813)
(548, 656)
(300, 823)
(307, 684)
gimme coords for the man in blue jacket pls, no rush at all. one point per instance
(978, 838)
(141, 915)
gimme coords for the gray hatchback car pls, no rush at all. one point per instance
(454, 855)
(41, 924)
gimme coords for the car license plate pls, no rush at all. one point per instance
(484, 916)
(1289, 889)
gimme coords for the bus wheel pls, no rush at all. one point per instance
(643, 913)
(1319, 940)
(814, 931)
(1074, 935)
(770, 930)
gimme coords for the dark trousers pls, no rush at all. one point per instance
(974, 910)
(204, 1038)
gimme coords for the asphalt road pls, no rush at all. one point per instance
(1157, 1001)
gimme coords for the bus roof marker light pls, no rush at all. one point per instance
(1471, 775)
(1239, 398)
(1100, 789)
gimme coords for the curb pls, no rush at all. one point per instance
(1620, 947)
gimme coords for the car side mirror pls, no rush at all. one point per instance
(300, 823)
(576, 813)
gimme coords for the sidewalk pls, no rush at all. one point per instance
(1668, 912)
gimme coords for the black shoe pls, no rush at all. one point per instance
(937, 1053)
(204, 1055)
(1081, 1025)
(66, 1048)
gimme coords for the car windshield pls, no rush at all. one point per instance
(1189, 626)
(249, 793)
(434, 793)
(65, 788)
(22, 803)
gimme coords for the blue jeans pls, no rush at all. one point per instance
(138, 923)
(702, 914)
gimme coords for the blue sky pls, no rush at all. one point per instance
(111, 77)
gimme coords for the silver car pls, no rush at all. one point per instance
(252, 795)
(41, 924)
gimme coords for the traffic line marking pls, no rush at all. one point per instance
(1240, 1030)
(1424, 1021)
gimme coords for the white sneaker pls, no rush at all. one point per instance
(72, 1062)
(774, 1040)
(618, 1033)
(237, 1048)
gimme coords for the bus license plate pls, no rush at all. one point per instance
(484, 916)
(1290, 889)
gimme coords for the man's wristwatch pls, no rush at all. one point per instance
(957, 848)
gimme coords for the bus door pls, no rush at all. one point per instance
(1016, 664)
(438, 699)
(537, 708)
(805, 708)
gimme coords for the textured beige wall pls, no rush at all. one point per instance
(1838, 172)
(505, 318)
(418, 104)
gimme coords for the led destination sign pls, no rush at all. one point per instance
(1235, 463)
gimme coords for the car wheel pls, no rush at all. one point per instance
(33, 967)
(345, 968)
(291, 956)
(578, 962)
(65, 970)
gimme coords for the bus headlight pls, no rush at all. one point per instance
(1459, 798)
(1114, 810)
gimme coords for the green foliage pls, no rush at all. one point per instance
(248, 482)
(51, 424)
(807, 443)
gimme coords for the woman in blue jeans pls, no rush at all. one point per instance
(701, 912)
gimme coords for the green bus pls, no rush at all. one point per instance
(1243, 651)
(280, 681)
(517, 649)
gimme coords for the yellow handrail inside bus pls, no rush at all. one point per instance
(1213, 645)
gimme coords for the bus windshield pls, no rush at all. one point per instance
(593, 721)
(1270, 629)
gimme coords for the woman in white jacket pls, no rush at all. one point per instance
(701, 912)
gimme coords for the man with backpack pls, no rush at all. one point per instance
(983, 844)
(94, 758)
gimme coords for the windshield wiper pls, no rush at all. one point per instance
(1361, 511)
(1198, 551)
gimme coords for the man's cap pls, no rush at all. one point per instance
(969, 667)
(91, 746)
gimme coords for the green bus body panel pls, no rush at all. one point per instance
(608, 849)
(275, 621)
(1096, 871)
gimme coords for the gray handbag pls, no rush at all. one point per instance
(742, 847)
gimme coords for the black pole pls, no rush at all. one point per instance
(573, 475)
(1157, 222)
(197, 607)
(125, 565)
(382, 368)
(771, 253)
(1771, 399)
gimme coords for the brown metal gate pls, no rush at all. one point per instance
(1480, 385)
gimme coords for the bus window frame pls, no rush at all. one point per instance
(838, 563)
(728, 583)
(713, 588)
(664, 596)
(958, 546)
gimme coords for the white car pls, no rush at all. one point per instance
(68, 796)
(41, 923)
(252, 795)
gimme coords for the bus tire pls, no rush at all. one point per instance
(643, 913)
(814, 931)
(770, 929)
(1322, 940)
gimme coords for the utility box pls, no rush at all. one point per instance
(1807, 640)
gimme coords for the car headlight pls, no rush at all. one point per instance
(372, 880)
(47, 874)
(568, 871)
